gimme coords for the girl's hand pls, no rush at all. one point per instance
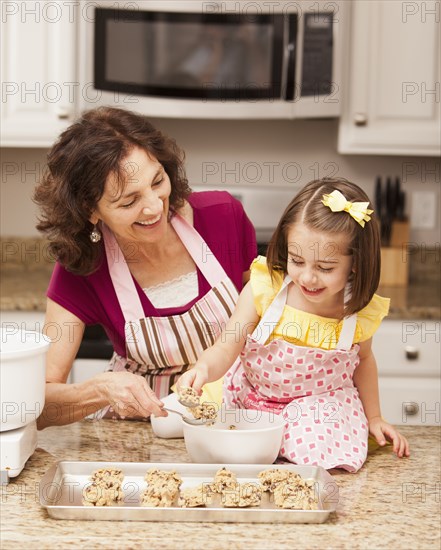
(382, 430)
(129, 395)
(194, 378)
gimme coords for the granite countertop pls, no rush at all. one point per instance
(26, 268)
(389, 503)
(23, 290)
(420, 300)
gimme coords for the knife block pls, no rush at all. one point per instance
(400, 233)
(394, 267)
(394, 258)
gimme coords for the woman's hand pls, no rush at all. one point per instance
(194, 378)
(382, 430)
(129, 395)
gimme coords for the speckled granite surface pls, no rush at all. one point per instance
(390, 503)
(25, 271)
(26, 267)
(420, 300)
(22, 289)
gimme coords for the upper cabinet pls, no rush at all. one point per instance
(385, 70)
(39, 82)
(391, 102)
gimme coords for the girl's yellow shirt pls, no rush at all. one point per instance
(307, 329)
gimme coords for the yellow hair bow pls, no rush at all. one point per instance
(338, 203)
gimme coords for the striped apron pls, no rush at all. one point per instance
(162, 348)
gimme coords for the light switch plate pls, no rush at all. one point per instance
(423, 211)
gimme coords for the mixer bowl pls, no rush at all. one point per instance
(22, 377)
(237, 437)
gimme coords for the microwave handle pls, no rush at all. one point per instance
(290, 60)
(290, 70)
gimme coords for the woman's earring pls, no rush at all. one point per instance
(95, 235)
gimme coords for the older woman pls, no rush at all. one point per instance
(157, 265)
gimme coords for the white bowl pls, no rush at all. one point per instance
(169, 427)
(255, 439)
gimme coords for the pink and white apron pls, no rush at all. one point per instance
(312, 388)
(162, 348)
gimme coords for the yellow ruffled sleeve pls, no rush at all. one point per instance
(311, 330)
(264, 288)
(369, 318)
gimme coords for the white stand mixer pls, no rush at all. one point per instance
(16, 446)
(22, 388)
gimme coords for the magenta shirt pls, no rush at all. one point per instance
(219, 219)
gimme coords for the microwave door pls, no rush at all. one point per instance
(189, 55)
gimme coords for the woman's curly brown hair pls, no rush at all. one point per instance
(78, 166)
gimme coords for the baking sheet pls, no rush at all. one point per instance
(61, 491)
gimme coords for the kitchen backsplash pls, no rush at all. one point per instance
(29, 253)
(32, 254)
(424, 265)
(227, 154)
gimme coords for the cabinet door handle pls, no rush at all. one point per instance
(411, 408)
(360, 119)
(63, 113)
(411, 353)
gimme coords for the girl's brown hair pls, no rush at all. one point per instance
(364, 242)
(78, 166)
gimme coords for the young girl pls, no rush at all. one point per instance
(303, 327)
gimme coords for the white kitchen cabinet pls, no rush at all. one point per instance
(39, 83)
(392, 79)
(408, 359)
(410, 401)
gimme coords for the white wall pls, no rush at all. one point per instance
(228, 153)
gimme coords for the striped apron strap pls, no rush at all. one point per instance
(198, 249)
(122, 279)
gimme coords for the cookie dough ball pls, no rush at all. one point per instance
(189, 397)
(295, 496)
(162, 488)
(194, 497)
(105, 488)
(269, 479)
(242, 496)
(224, 479)
(108, 476)
(204, 411)
(99, 495)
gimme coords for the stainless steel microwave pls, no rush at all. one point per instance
(215, 59)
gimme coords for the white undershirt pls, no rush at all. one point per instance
(174, 293)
